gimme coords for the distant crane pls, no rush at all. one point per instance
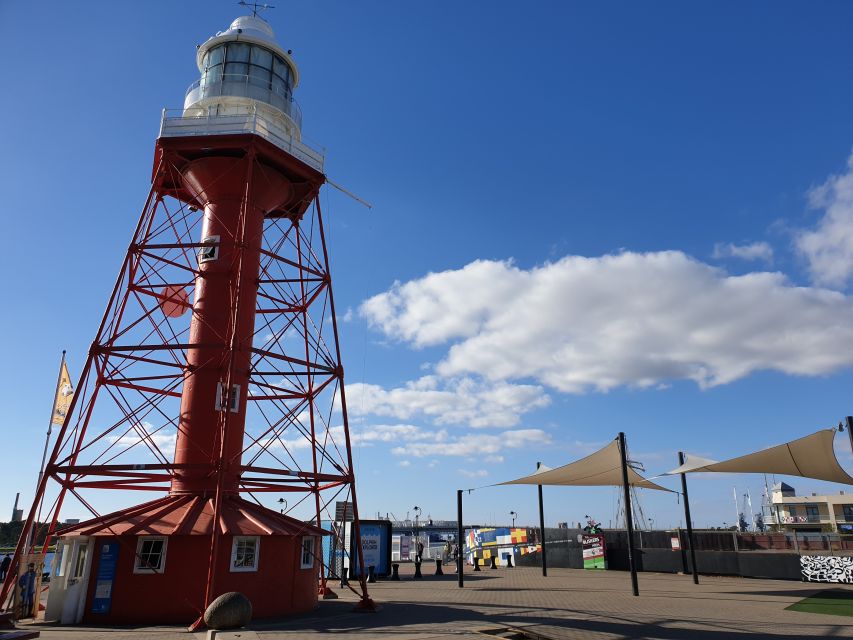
(743, 508)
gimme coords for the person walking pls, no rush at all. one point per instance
(4, 567)
(27, 585)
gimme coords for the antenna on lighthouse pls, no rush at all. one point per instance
(255, 6)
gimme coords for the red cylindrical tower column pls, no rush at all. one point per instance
(236, 194)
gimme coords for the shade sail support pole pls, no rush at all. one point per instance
(694, 567)
(459, 547)
(629, 517)
(542, 527)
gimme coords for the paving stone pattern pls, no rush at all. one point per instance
(568, 604)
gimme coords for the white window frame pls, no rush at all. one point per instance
(233, 398)
(234, 543)
(307, 540)
(209, 253)
(138, 557)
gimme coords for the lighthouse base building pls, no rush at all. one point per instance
(132, 567)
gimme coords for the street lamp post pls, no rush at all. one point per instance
(417, 511)
(514, 515)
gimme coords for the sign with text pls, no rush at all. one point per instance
(106, 574)
(593, 551)
(375, 545)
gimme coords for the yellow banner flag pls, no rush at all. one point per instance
(64, 394)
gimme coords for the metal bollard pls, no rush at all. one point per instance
(476, 563)
(344, 581)
(395, 571)
(371, 573)
(493, 564)
(509, 564)
(438, 570)
(418, 575)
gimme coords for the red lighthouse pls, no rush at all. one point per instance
(214, 383)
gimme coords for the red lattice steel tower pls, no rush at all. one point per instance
(215, 378)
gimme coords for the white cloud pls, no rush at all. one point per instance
(474, 444)
(458, 401)
(479, 473)
(637, 319)
(393, 433)
(404, 463)
(828, 248)
(162, 439)
(754, 251)
(444, 305)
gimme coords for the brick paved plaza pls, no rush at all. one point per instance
(567, 604)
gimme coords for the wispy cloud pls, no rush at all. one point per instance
(449, 401)
(475, 443)
(470, 473)
(754, 251)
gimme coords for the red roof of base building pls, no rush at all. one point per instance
(193, 515)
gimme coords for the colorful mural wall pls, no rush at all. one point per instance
(499, 543)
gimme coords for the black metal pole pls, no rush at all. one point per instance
(695, 569)
(849, 421)
(459, 547)
(629, 517)
(542, 528)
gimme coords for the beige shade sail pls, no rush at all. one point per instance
(602, 468)
(810, 457)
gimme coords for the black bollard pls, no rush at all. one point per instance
(493, 564)
(395, 571)
(371, 573)
(438, 570)
(418, 575)
(509, 564)
(344, 581)
(476, 563)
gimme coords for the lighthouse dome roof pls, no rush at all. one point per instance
(252, 26)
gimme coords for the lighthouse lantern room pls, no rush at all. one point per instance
(214, 386)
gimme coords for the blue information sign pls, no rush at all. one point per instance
(105, 576)
(376, 545)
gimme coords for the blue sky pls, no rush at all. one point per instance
(587, 218)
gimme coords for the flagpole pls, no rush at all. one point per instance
(50, 422)
(29, 540)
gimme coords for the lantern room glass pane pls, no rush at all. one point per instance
(262, 57)
(259, 76)
(213, 75)
(215, 55)
(238, 52)
(282, 70)
(235, 71)
(278, 86)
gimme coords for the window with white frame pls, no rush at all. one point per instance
(233, 398)
(150, 555)
(308, 544)
(244, 553)
(210, 251)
